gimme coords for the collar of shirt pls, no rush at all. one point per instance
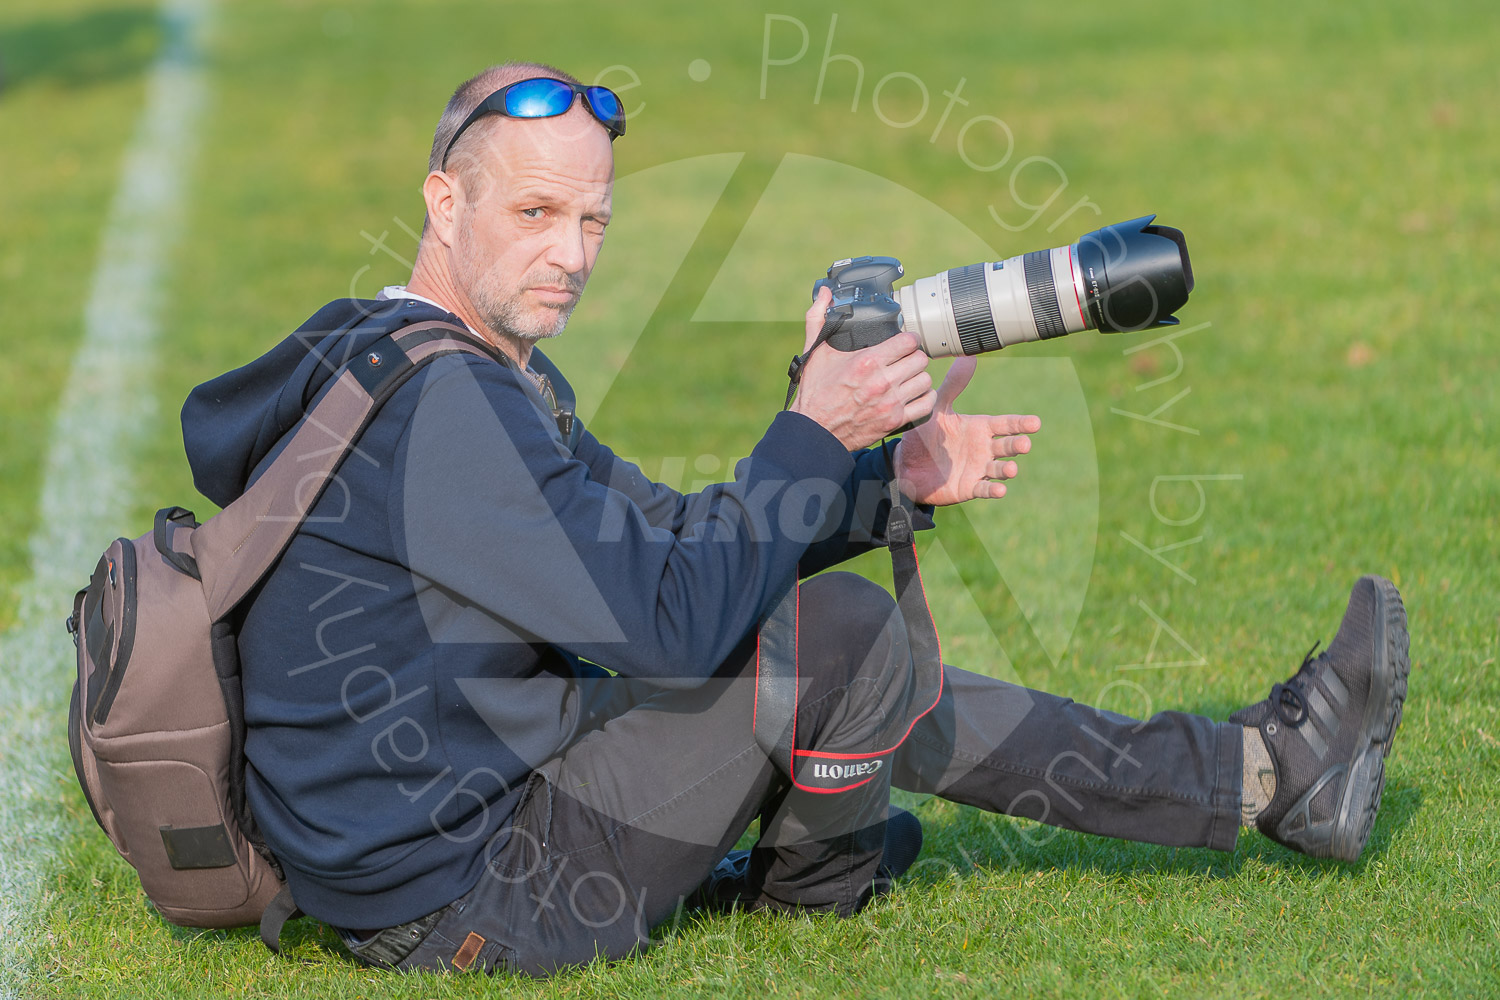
(400, 292)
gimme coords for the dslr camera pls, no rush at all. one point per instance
(1120, 279)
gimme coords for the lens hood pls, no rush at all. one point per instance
(1135, 275)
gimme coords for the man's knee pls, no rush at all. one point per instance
(849, 627)
(846, 597)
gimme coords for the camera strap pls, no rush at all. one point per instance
(831, 324)
(776, 658)
(777, 675)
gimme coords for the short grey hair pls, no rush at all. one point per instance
(468, 97)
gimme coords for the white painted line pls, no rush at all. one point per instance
(87, 485)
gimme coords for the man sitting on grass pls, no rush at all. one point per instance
(502, 689)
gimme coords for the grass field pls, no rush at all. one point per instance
(1334, 170)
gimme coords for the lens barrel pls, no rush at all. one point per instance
(1121, 278)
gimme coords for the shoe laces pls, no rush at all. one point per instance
(1288, 699)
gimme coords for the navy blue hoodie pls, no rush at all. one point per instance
(431, 634)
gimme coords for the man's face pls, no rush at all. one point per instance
(532, 222)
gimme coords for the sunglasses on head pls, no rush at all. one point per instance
(543, 97)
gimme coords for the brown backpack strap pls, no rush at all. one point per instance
(237, 547)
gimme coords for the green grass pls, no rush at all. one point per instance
(71, 90)
(1334, 171)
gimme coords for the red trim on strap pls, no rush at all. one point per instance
(825, 755)
(755, 706)
(831, 791)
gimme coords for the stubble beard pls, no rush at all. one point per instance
(507, 317)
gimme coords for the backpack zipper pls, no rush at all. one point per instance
(121, 658)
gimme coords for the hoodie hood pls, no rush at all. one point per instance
(231, 423)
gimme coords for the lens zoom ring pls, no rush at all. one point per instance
(1043, 294)
(971, 310)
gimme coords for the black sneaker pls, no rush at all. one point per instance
(1330, 727)
(729, 882)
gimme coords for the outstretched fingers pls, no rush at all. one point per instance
(1015, 423)
(992, 486)
(1001, 470)
(1010, 446)
(1011, 438)
(987, 489)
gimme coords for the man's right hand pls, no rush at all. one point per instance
(862, 396)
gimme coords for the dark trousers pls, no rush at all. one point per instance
(612, 835)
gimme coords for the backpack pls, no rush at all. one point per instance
(156, 726)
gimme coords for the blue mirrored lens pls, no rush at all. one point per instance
(606, 105)
(538, 99)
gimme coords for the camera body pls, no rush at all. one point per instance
(864, 294)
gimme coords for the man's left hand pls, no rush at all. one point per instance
(955, 457)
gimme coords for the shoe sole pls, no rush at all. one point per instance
(1362, 792)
